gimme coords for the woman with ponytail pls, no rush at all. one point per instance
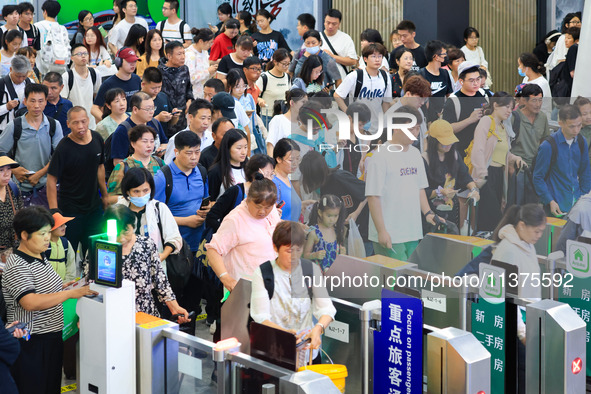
(197, 59)
(491, 159)
(533, 71)
(247, 26)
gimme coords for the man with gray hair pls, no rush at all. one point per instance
(12, 89)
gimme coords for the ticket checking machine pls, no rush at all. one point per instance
(107, 322)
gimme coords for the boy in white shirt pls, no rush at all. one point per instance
(50, 10)
(172, 26)
(395, 190)
(376, 88)
(120, 31)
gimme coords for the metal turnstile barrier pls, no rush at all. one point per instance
(555, 349)
(456, 363)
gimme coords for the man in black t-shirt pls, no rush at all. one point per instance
(78, 162)
(25, 25)
(441, 85)
(463, 109)
(218, 130)
(407, 32)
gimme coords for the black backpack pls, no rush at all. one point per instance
(265, 80)
(269, 276)
(160, 26)
(71, 79)
(18, 131)
(6, 83)
(168, 177)
(554, 156)
(108, 159)
(359, 82)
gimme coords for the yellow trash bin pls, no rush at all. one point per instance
(336, 372)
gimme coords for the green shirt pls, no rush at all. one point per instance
(530, 136)
(114, 184)
(586, 132)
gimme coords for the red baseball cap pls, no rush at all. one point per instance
(128, 55)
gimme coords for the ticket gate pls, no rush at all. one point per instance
(456, 363)
(555, 349)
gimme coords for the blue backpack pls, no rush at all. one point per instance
(329, 155)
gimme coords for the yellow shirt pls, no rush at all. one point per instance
(499, 155)
(142, 64)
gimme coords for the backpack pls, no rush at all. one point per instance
(329, 155)
(6, 84)
(359, 82)
(269, 276)
(36, 35)
(71, 79)
(178, 266)
(18, 131)
(554, 156)
(516, 124)
(468, 151)
(558, 86)
(473, 265)
(108, 159)
(65, 245)
(456, 102)
(168, 177)
(55, 50)
(160, 26)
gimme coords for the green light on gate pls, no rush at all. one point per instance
(112, 230)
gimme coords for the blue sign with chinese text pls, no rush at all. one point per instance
(398, 348)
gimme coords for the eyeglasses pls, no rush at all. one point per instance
(376, 57)
(165, 8)
(88, 18)
(80, 54)
(255, 69)
(474, 80)
(149, 109)
(575, 22)
(442, 54)
(240, 87)
(284, 64)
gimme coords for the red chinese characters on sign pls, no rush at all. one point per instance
(253, 6)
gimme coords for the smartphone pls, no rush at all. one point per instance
(303, 343)
(205, 203)
(178, 111)
(21, 325)
(330, 85)
(280, 204)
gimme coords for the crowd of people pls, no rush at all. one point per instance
(206, 143)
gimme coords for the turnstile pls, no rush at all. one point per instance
(456, 363)
(555, 349)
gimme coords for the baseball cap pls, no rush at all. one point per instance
(442, 131)
(7, 161)
(128, 55)
(59, 220)
(225, 103)
(464, 66)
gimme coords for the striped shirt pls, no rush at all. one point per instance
(25, 275)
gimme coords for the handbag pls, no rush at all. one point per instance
(178, 266)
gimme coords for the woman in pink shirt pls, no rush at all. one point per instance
(244, 239)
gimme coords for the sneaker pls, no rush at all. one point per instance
(212, 328)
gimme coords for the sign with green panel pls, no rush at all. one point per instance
(575, 289)
(488, 322)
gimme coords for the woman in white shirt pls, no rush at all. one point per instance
(474, 53)
(277, 83)
(197, 59)
(99, 57)
(532, 71)
(292, 305)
